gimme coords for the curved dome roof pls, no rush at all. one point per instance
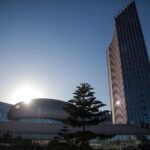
(39, 108)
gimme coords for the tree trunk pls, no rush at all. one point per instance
(83, 135)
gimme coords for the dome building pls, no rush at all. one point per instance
(42, 119)
(39, 110)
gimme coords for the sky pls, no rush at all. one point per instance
(54, 45)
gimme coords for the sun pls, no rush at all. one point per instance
(26, 93)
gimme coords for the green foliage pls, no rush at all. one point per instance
(7, 135)
(58, 143)
(65, 136)
(105, 136)
(84, 109)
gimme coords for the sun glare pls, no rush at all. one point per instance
(26, 93)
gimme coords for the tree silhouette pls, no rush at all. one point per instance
(84, 110)
(65, 134)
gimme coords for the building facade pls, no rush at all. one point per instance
(4, 109)
(129, 70)
(42, 120)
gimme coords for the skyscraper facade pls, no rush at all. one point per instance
(129, 70)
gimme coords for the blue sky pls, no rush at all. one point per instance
(57, 44)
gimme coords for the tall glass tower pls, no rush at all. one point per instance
(129, 70)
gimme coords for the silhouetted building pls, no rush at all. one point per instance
(42, 119)
(129, 70)
(4, 109)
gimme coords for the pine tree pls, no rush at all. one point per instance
(84, 110)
